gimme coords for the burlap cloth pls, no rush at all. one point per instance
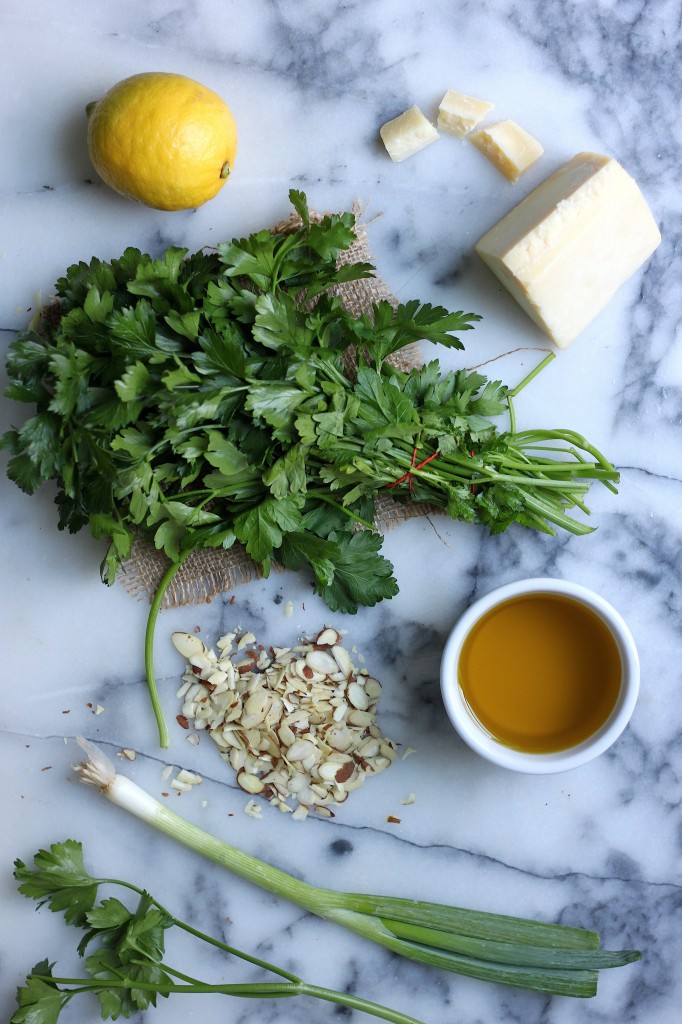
(212, 571)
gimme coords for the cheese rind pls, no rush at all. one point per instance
(566, 249)
(407, 133)
(509, 147)
(458, 113)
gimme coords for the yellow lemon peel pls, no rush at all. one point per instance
(162, 139)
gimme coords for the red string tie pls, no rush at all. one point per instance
(408, 476)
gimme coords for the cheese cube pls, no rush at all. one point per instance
(568, 247)
(459, 113)
(407, 133)
(509, 147)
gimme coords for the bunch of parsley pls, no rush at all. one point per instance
(203, 400)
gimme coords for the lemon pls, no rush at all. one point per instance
(162, 139)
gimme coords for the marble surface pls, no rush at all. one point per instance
(309, 84)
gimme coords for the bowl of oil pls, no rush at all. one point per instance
(540, 676)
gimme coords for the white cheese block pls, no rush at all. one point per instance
(509, 147)
(407, 133)
(568, 247)
(459, 113)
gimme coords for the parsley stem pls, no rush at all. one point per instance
(530, 376)
(297, 987)
(513, 392)
(553, 515)
(149, 646)
(321, 496)
(512, 413)
(253, 990)
(449, 466)
(232, 950)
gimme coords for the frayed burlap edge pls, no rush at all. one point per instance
(213, 571)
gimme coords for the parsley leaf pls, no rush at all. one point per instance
(275, 403)
(60, 880)
(262, 528)
(361, 574)
(40, 1002)
(390, 329)
(288, 474)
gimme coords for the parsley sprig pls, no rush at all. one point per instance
(203, 400)
(124, 950)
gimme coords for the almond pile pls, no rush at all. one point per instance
(297, 724)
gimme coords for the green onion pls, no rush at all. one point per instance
(492, 947)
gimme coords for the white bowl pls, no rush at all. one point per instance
(480, 740)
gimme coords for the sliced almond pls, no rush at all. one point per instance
(344, 772)
(327, 638)
(320, 662)
(217, 677)
(300, 749)
(360, 718)
(357, 696)
(342, 659)
(187, 645)
(237, 758)
(328, 771)
(249, 783)
(182, 787)
(372, 687)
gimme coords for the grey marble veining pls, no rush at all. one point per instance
(309, 84)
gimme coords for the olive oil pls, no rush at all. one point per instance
(540, 672)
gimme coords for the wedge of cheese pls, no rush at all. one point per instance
(509, 147)
(407, 133)
(459, 113)
(568, 247)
